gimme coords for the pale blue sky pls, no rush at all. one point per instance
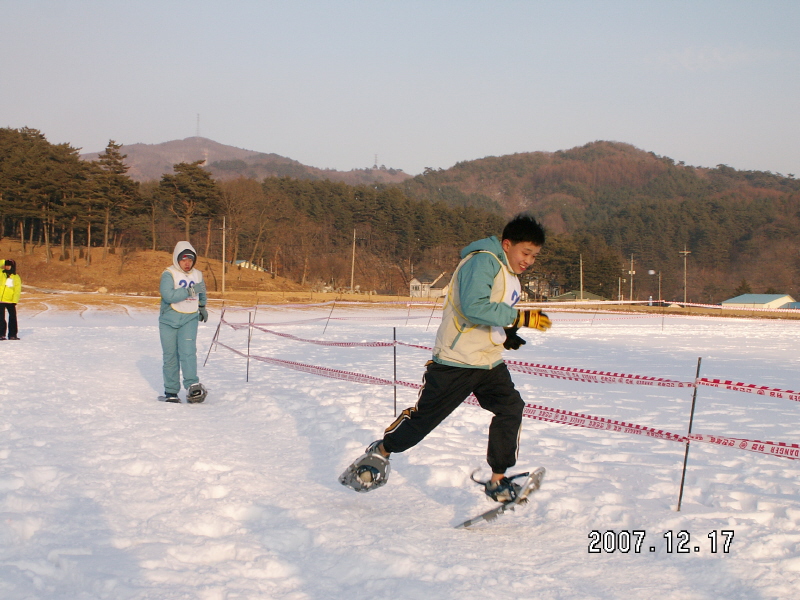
(419, 83)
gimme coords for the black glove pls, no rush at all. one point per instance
(513, 341)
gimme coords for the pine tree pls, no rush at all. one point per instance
(744, 288)
(190, 192)
(115, 190)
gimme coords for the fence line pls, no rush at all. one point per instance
(547, 414)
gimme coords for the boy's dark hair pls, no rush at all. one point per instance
(524, 228)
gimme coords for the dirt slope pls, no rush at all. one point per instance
(135, 272)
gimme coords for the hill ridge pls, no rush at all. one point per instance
(148, 162)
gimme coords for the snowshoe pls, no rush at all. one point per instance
(504, 490)
(169, 397)
(368, 472)
(196, 394)
(521, 491)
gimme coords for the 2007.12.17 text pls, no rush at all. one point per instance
(625, 541)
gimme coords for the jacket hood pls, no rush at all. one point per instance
(491, 244)
(180, 247)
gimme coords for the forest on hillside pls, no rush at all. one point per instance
(302, 229)
(620, 220)
(740, 228)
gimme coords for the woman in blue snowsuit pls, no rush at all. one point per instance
(183, 301)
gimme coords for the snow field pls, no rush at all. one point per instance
(107, 493)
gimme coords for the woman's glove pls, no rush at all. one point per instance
(535, 319)
(203, 314)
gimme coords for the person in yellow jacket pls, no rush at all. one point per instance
(10, 288)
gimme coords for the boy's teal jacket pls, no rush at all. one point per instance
(479, 305)
(9, 293)
(475, 281)
(172, 295)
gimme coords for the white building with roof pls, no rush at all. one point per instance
(428, 286)
(758, 301)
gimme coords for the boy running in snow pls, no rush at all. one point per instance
(10, 289)
(478, 321)
(183, 302)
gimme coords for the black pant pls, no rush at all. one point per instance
(444, 389)
(12, 319)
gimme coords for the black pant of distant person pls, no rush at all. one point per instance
(12, 319)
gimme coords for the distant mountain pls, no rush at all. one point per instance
(737, 225)
(149, 162)
(564, 187)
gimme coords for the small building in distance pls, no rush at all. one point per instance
(246, 264)
(429, 286)
(758, 301)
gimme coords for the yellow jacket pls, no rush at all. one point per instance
(10, 286)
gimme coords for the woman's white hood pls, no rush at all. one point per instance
(180, 247)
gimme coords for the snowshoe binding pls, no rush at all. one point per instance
(530, 482)
(504, 490)
(196, 393)
(368, 472)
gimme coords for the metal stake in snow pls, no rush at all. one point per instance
(249, 336)
(691, 419)
(435, 304)
(394, 378)
(216, 335)
(324, 329)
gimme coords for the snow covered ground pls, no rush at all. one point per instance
(107, 493)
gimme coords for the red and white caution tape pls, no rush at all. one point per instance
(566, 417)
(593, 376)
(557, 372)
(550, 415)
(773, 448)
(575, 374)
(237, 326)
(749, 388)
(316, 370)
(324, 343)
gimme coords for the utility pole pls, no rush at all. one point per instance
(353, 262)
(631, 273)
(684, 252)
(224, 263)
(659, 287)
(581, 257)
